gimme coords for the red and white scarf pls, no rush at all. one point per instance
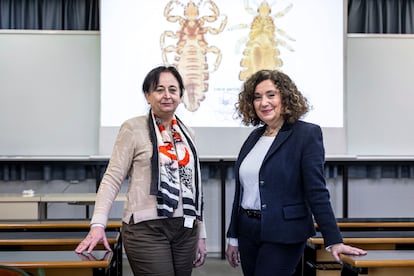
(176, 172)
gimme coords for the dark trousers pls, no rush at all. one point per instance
(162, 247)
(260, 258)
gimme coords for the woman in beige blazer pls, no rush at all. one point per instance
(163, 230)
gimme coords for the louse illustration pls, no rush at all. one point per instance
(191, 51)
(261, 46)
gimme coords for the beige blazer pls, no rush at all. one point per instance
(131, 157)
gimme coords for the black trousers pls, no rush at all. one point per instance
(260, 258)
(162, 247)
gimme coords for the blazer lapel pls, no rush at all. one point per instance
(281, 137)
(250, 142)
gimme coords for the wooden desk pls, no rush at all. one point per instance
(59, 263)
(17, 206)
(86, 199)
(367, 238)
(380, 263)
(53, 225)
(361, 224)
(319, 262)
(58, 235)
(49, 240)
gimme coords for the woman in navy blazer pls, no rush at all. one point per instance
(280, 186)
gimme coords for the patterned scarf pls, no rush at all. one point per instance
(176, 168)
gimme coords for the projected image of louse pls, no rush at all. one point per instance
(191, 52)
(261, 46)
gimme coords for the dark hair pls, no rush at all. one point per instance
(153, 77)
(294, 104)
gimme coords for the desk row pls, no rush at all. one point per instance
(382, 246)
(19, 206)
(34, 248)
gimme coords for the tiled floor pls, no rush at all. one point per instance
(214, 266)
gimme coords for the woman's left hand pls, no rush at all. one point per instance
(201, 253)
(341, 248)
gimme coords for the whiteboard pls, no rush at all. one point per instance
(380, 94)
(49, 99)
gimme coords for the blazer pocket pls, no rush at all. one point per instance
(295, 211)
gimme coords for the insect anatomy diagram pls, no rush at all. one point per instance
(192, 48)
(192, 54)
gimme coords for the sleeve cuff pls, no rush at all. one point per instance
(329, 248)
(233, 241)
(97, 225)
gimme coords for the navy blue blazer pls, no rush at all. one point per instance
(292, 187)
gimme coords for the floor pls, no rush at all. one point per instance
(214, 266)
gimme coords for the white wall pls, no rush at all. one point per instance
(49, 92)
(380, 95)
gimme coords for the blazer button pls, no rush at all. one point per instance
(264, 206)
(261, 183)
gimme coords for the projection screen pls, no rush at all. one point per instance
(215, 45)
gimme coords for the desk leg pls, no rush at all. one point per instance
(345, 271)
(101, 272)
(42, 209)
(348, 270)
(119, 255)
(223, 209)
(345, 192)
(87, 211)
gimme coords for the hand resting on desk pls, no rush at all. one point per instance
(341, 248)
(95, 236)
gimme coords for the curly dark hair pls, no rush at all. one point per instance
(294, 104)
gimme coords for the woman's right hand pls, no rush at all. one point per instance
(96, 234)
(232, 254)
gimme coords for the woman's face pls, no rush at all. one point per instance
(165, 98)
(268, 103)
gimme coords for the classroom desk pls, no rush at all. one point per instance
(319, 262)
(365, 238)
(59, 263)
(49, 240)
(379, 263)
(86, 199)
(53, 225)
(18, 206)
(357, 224)
(20, 165)
(58, 235)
